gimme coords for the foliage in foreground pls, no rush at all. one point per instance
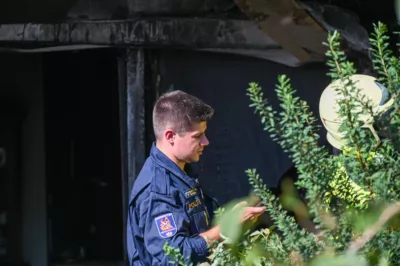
(351, 199)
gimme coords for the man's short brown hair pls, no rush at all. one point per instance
(179, 110)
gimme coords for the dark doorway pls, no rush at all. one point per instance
(10, 186)
(83, 156)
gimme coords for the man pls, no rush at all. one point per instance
(166, 205)
(380, 101)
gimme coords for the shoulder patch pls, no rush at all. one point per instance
(166, 225)
(191, 193)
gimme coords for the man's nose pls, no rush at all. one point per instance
(204, 141)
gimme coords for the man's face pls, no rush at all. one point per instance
(190, 145)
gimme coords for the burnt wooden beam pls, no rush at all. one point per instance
(243, 37)
(132, 121)
(198, 33)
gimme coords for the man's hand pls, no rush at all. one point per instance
(249, 213)
(212, 236)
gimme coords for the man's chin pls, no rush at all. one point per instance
(195, 159)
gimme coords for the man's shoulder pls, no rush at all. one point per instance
(152, 178)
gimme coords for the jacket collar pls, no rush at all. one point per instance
(162, 160)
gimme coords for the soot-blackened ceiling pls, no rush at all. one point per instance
(18, 11)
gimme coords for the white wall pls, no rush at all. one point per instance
(21, 79)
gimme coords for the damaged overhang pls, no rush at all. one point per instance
(288, 24)
(300, 27)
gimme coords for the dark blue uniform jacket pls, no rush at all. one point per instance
(166, 205)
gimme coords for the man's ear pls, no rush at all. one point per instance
(170, 135)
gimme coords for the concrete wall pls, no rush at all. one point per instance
(21, 82)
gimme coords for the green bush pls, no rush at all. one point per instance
(351, 199)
